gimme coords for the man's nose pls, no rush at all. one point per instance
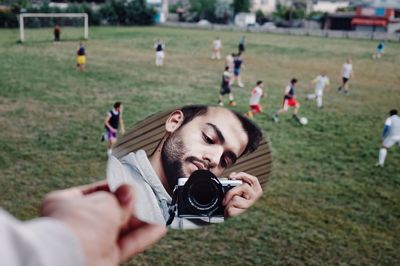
(213, 156)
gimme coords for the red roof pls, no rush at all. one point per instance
(369, 22)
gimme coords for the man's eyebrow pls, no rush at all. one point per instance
(218, 132)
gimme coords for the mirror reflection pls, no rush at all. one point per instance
(192, 166)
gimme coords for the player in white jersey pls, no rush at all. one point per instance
(390, 135)
(216, 49)
(159, 46)
(321, 82)
(347, 74)
(256, 94)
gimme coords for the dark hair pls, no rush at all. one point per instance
(393, 112)
(226, 67)
(259, 82)
(294, 80)
(117, 104)
(252, 130)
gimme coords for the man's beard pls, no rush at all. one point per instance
(172, 153)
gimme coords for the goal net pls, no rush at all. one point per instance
(73, 21)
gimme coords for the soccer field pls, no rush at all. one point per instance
(325, 203)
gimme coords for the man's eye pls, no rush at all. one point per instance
(207, 139)
(223, 163)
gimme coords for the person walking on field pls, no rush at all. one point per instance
(112, 122)
(159, 46)
(216, 50)
(321, 82)
(81, 57)
(347, 74)
(57, 33)
(390, 135)
(226, 88)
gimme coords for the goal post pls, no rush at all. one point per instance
(52, 15)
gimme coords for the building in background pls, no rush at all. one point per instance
(328, 6)
(377, 15)
(266, 6)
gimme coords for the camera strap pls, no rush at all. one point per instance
(172, 208)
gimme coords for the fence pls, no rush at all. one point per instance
(366, 35)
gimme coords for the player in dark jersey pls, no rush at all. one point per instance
(57, 33)
(112, 122)
(81, 57)
(237, 68)
(289, 100)
(226, 88)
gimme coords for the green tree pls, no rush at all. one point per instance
(203, 9)
(241, 6)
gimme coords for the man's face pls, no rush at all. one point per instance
(212, 141)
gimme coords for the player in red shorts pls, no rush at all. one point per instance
(256, 95)
(289, 100)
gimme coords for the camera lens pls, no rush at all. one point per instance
(203, 195)
(203, 192)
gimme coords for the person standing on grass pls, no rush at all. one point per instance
(112, 122)
(321, 82)
(256, 94)
(57, 33)
(237, 63)
(289, 100)
(390, 135)
(347, 74)
(159, 46)
(226, 88)
(81, 57)
(380, 50)
(229, 62)
(216, 50)
(241, 47)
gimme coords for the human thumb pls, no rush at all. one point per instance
(125, 196)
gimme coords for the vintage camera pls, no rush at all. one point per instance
(201, 194)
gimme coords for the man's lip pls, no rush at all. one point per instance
(199, 165)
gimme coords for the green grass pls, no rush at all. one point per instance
(325, 202)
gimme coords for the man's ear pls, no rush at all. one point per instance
(174, 121)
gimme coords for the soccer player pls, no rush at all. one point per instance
(237, 66)
(216, 51)
(289, 100)
(57, 32)
(241, 47)
(390, 135)
(81, 57)
(256, 94)
(160, 47)
(321, 82)
(380, 50)
(229, 62)
(226, 88)
(111, 123)
(347, 74)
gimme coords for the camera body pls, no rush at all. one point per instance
(201, 195)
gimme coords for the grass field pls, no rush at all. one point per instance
(325, 204)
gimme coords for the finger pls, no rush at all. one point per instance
(251, 180)
(240, 202)
(94, 187)
(125, 196)
(243, 190)
(140, 238)
(232, 211)
(54, 197)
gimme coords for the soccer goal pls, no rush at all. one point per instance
(52, 15)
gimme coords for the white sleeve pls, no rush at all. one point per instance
(42, 241)
(108, 114)
(388, 122)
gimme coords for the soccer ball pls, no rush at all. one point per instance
(303, 121)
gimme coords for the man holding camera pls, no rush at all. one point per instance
(196, 138)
